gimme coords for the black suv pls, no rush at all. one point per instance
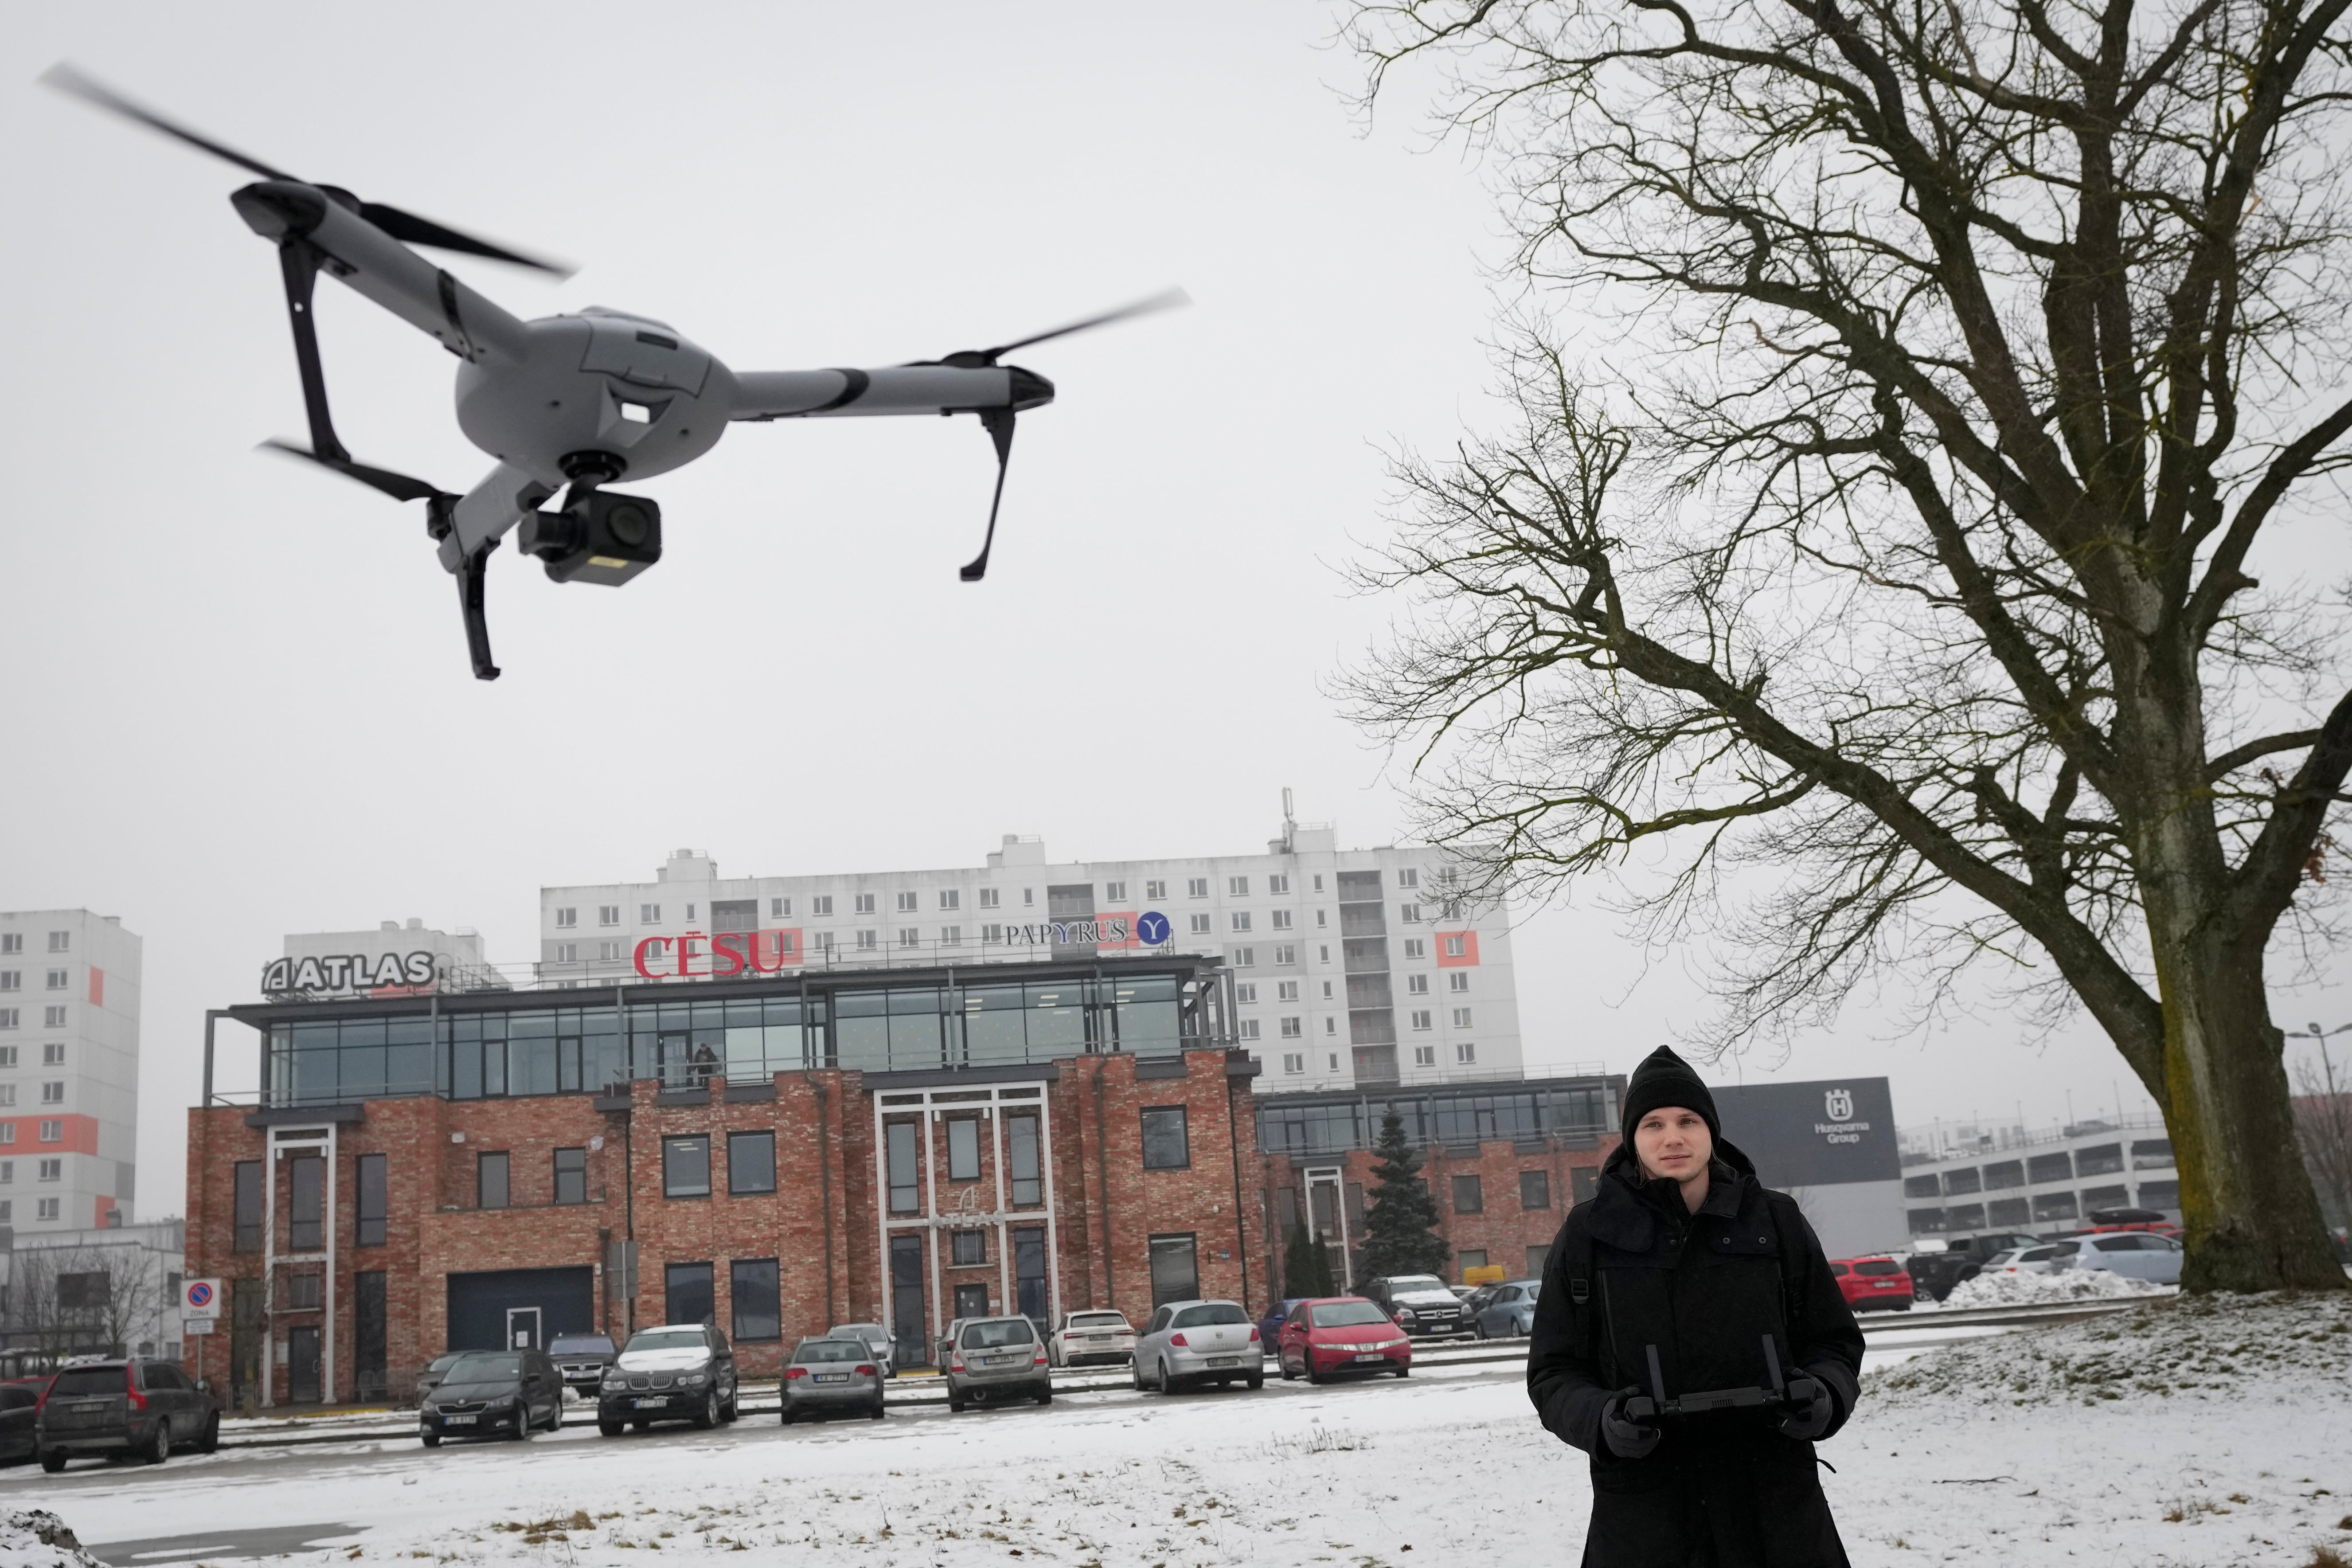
(143, 1408)
(682, 1372)
(1421, 1305)
(583, 1358)
(493, 1394)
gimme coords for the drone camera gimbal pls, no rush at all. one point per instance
(598, 538)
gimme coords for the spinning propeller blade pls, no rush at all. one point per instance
(65, 78)
(1169, 300)
(399, 487)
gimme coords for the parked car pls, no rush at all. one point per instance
(494, 1393)
(1326, 1335)
(1935, 1274)
(434, 1370)
(1269, 1328)
(1421, 1305)
(1873, 1284)
(679, 1372)
(832, 1375)
(582, 1358)
(20, 1410)
(123, 1408)
(876, 1341)
(2040, 1258)
(1092, 1339)
(945, 1352)
(2136, 1254)
(997, 1359)
(1508, 1311)
(1194, 1344)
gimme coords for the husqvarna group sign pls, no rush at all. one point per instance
(1811, 1134)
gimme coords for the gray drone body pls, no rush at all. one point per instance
(578, 401)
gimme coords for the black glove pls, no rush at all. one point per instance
(1626, 1440)
(1809, 1418)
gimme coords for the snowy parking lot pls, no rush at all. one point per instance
(2184, 1433)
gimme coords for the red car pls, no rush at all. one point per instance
(1328, 1334)
(1873, 1282)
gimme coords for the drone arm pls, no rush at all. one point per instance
(379, 268)
(895, 389)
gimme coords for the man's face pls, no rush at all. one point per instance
(1673, 1143)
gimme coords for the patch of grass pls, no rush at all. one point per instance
(2327, 1557)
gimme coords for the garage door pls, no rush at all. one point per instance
(498, 1309)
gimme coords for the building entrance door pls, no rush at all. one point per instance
(912, 1345)
(1029, 1276)
(971, 1300)
(302, 1365)
(523, 1329)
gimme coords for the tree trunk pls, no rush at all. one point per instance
(2252, 1220)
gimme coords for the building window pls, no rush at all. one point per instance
(950, 936)
(1415, 948)
(1455, 947)
(53, 1017)
(991, 897)
(7, 1172)
(1167, 1141)
(491, 1187)
(9, 1018)
(1114, 892)
(61, 941)
(1237, 887)
(1155, 890)
(1282, 920)
(12, 979)
(1335, 1061)
(12, 941)
(1424, 1056)
(571, 1175)
(1285, 955)
(305, 1292)
(1468, 1198)
(1416, 984)
(1196, 887)
(1535, 1189)
(1240, 920)
(1200, 925)
(1331, 1026)
(685, 1167)
(904, 1195)
(245, 1205)
(1465, 1054)
(53, 1131)
(1457, 980)
(991, 932)
(963, 1150)
(1175, 1269)
(1420, 1018)
(1244, 958)
(46, 1210)
(7, 1132)
(1292, 1029)
(7, 1093)
(779, 909)
(1245, 993)
(751, 1162)
(306, 1204)
(57, 979)
(1537, 1256)
(567, 918)
(1028, 896)
(1408, 913)
(822, 941)
(608, 950)
(54, 1055)
(867, 941)
(567, 952)
(1248, 1027)
(51, 1170)
(967, 1248)
(687, 1296)
(909, 936)
(8, 1211)
(755, 1301)
(649, 914)
(822, 904)
(1408, 877)
(1022, 1153)
(1474, 1257)
(1461, 1017)
(1286, 991)
(374, 1196)
(1294, 1061)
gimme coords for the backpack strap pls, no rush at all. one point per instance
(1581, 1287)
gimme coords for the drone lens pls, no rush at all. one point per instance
(630, 525)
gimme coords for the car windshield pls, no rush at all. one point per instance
(442, 1363)
(667, 1339)
(1208, 1315)
(1345, 1314)
(1415, 1284)
(1001, 1331)
(86, 1380)
(1097, 1320)
(484, 1366)
(832, 1350)
(580, 1344)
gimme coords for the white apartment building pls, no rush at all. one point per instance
(68, 1070)
(1960, 1177)
(1349, 966)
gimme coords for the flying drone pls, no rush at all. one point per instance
(575, 403)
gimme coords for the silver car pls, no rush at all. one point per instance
(876, 1340)
(1510, 1310)
(2039, 1259)
(2138, 1255)
(829, 1376)
(998, 1359)
(1190, 1344)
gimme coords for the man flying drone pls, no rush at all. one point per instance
(578, 401)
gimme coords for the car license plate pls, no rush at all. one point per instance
(833, 1377)
(1373, 1355)
(651, 1403)
(1224, 1360)
(460, 1420)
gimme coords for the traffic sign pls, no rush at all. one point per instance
(200, 1300)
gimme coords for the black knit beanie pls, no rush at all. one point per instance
(1665, 1079)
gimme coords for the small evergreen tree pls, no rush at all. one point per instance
(1399, 1216)
(1306, 1266)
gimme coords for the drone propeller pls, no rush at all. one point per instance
(439, 508)
(998, 422)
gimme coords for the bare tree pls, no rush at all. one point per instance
(1880, 574)
(2323, 1128)
(90, 1299)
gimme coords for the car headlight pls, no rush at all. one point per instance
(693, 1379)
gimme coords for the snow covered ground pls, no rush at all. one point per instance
(2006, 1290)
(2183, 1432)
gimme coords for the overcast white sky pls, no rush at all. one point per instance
(237, 702)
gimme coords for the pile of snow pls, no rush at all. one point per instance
(32, 1539)
(2035, 1290)
(2280, 1348)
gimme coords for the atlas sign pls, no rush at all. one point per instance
(349, 972)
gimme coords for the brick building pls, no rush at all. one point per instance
(467, 1168)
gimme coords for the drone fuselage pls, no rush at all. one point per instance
(625, 387)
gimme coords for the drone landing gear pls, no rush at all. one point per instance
(472, 580)
(998, 422)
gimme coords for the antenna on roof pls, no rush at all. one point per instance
(1289, 826)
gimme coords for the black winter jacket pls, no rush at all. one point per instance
(1726, 1489)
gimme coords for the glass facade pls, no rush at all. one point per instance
(527, 1050)
(1336, 1126)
